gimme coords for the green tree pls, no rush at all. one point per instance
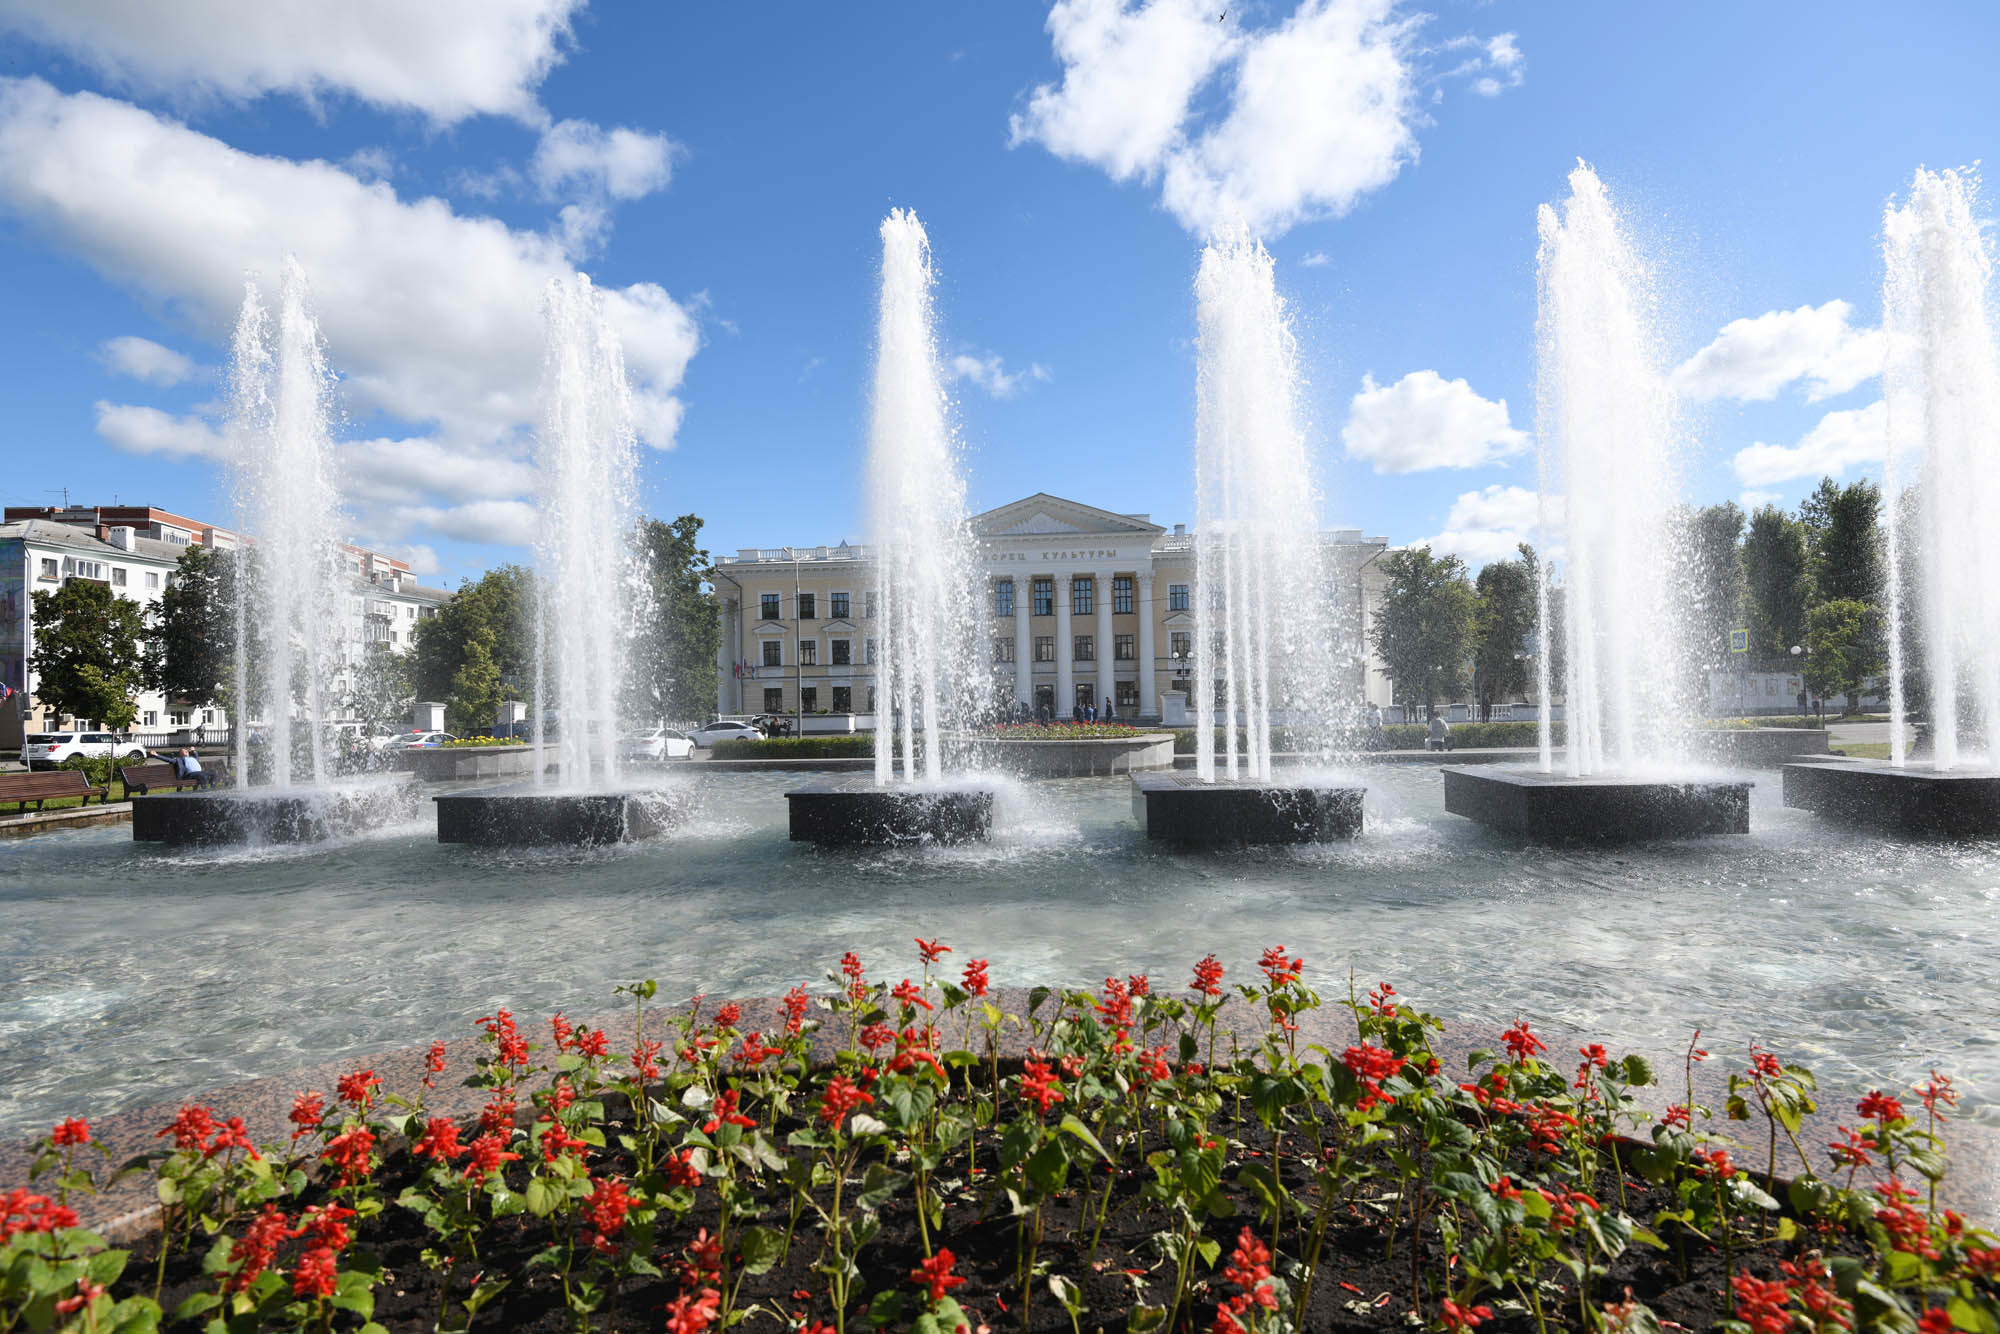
(378, 690)
(90, 653)
(1504, 622)
(1777, 581)
(1713, 579)
(495, 612)
(1844, 648)
(1424, 628)
(678, 632)
(193, 656)
(1844, 541)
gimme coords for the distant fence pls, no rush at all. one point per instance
(200, 735)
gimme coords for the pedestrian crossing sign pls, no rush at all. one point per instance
(1739, 641)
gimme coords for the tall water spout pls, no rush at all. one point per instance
(1264, 623)
(1942, 387)
(1605, 420)
(289, 598)
(928, 597)
(586, 452)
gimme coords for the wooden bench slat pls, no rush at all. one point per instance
(40, 785)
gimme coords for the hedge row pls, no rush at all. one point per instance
(846, 746)
(1397, 736)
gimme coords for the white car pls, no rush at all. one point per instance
(418, 740)
(655, 743)
(724, 729)
(47, 750)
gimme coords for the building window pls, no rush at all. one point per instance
(868, 607)
(1121, 595)
(177, 717)
(809, 700)
(774, 653)
(1180, 647)
(1122, 649)
(843, 699)
(1086, 649)
(1177, 597)
(808, 607)
(152, 578)
(871, 699)
(88, 569)
(118, 576)
(1128, 696)
(1003, 598)
(774, 699)
(208, 715)
(1045, 597)
(768, 607)
(809, 653)
(48, 569)
(1082, 596)
(1045, 648)
(843, 655)
(870, 646)
(839, 611)
(1003, 650)
(152, 718)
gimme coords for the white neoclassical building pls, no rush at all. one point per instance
(1079, 605)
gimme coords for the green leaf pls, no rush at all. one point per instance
(1637, 1071)
(196, 1304)
(761, 1247)
(1073, 1127)
(1974, 1319)
(1146, 1319)
(542, 1197)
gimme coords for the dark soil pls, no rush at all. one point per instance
(1364, 1283)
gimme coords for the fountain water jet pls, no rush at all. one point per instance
(926, 659)
(1605, 417)
(1941, 383)
(1264, 623)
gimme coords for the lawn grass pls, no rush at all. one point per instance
(1863, 750)
(7, 808)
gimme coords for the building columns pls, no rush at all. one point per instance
(1107, 665)
(725, 659)
(1148, 699)
(1024, 643)
(1065, 647)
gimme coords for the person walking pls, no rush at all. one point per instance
(1109, 713)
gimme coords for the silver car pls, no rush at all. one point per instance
(724, 729)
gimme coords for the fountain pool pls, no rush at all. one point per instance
(138, 975)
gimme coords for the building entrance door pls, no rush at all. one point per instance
(1045, 698)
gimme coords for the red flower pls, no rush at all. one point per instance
(489, 1153)
(253, 1252)
(1985, 1263)
(232, 1134)
(1764, 1065)
(1853, 1151)
(1139, 984)
(1250, 1263)
(975, 977)
(507, 1039)
(440, 1140)
(1279, 969)
(592, 1044)
(842, 1096)
(1879, 1106)
(1463, 1317)
(1938, 1093)
(1208, 977)
(693, 1314)
(1371, 1065)
(1521, 1043)
(1717, 1162)
(191, 1128)
(727, 1016)
(317, 1274)
(1505, 1189)
(1382, 1000)
(1038, 1085)
(1116, 1007)
(1935, 1321)
(931, 950)
(308, 1110)
(754, 1051)
(726, 1113)
(1762, 1305)
(681, 1171)
(644, 1059)
(796, 1002)
(326, 1225)
(556, 1141)
(358, 1088)
(1678, 1117)
(75, 1130)
(86, 1293)
(934, 1275)
(1153, 1065)
(433, 1063)
(22, 1210)
(877, 1035)
(561, 1028)
(353, 1152)
(910, 994)
(606, 1206)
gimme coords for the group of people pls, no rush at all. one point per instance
(1080, 712)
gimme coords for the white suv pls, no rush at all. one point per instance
(47, 750)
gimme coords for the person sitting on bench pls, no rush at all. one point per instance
(186, 766)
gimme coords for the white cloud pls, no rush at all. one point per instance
(144, 359)
(1752, 359)
(1488, 525)
(446, 59)
(421, 557)
(1316, 259)
(1426, 421)
(148, 431)
(1842, 440)
(1267, 128)
(1504, 65)
(404, 471)
(370, 164)
(991, 374)
(578, 158)
(433, 318)
(501, 522)
(1751, 501)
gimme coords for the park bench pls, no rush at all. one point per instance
(141, 778)
(40, 786)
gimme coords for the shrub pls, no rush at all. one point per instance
(99, 769)
(1396, 736)
(845, 746)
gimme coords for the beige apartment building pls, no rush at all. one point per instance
(1080, 605)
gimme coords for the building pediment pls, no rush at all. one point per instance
(839, 627)
(1044, 514)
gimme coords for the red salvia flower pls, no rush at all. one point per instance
(1763, 1064)
(1879, 1106)
(1853, 1150)
(561, 1028)
(910, 994)
(352, 1152)
(693, 1313)
(1937, 1320)
(606, 1207)
(488, 1153)
(681, 1171)
(934, 1275)
(725, 1113)
(796, 1002)
(592, 1044)
(1456, 1317)
(358, 1089)
(325, 1225)
(308, 1110)
(842, 1096)
(1678, 1117)
(191, 1127)
(1938, 1094)
(1139, 985)
(1382, 1000)
(253, 1252)
(974, 979)
(498, 1113)
(72, 1131)
(317, 1274)
(1522, 1044)
(22, 1210)
(931, 950)
(440, 1140)
(1717, 1162)
(1763, 1305)
(231, 1134)
(1281, 971)
(727, 1016)
(645, 1059)
(433, 1064)
(1038, 1085)
(754, 1051)
(1208, 976)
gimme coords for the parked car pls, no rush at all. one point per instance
(655, 743)
(417, 741)
(724, 729)
(47, 750)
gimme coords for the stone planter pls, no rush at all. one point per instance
(1082, 758)
(1757, 747)
(447, 764)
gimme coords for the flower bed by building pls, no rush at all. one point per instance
(1142, 1168)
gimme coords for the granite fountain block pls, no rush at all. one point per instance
(525, 817)
(1953, 804)
(1180, 808)
(852, 811)
(1555, 808)
(223, 817)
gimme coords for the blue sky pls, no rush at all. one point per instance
(723, 170)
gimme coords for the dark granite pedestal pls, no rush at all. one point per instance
(1181, 809)
(264, 815)
(1554, 808)
(1954, 804)
(851, 811)
(523, 817)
